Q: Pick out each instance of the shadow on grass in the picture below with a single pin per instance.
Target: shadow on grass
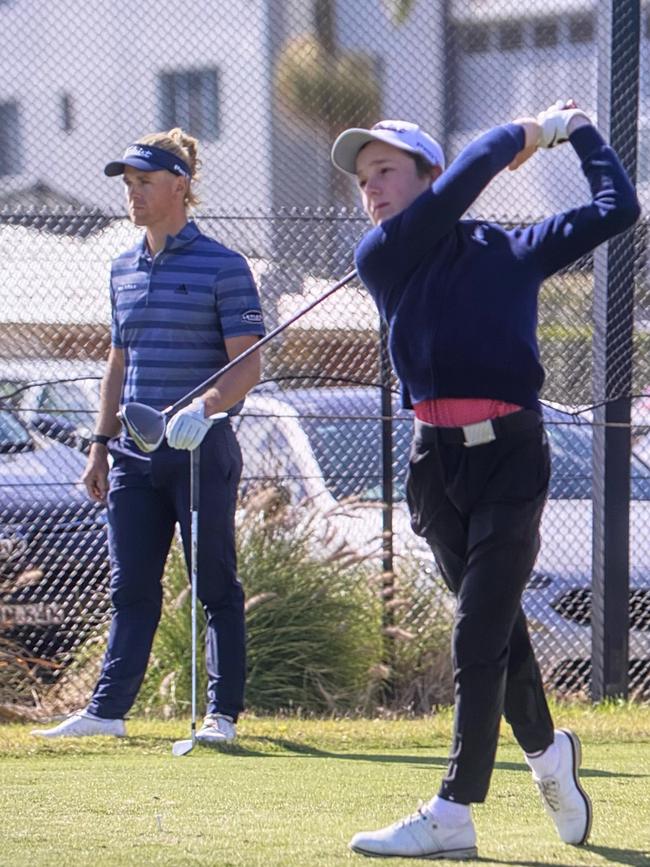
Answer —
(621, 856)
(308, 750)
(611, 854)
(281, 746)
(270, 747)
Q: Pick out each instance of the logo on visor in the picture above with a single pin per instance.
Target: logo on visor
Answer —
(138, 151)
(253, 316)
(397, 126)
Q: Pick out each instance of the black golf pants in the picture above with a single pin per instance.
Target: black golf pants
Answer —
(479, 508)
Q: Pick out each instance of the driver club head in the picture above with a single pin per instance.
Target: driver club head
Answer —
(182, 748)
(145, 425)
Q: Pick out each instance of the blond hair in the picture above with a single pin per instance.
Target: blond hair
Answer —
(182, 145)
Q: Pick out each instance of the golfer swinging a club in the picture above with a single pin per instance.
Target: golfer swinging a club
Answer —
(182, 306)
(460, 300)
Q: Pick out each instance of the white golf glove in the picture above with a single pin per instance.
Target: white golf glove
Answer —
(554, 122)
(186, 429)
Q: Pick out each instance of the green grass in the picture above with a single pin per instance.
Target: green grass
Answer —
(294, 790)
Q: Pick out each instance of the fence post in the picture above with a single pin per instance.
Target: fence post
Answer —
(618, 97)
(388, 575)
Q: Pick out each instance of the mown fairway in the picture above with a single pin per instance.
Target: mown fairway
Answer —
(293, 791)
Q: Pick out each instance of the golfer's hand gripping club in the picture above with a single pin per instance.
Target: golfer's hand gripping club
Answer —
(554, 123)
(549, 129)
(187, 428)
(147, 426)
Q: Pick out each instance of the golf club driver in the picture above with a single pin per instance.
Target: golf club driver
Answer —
(182, 748)
(146, 425)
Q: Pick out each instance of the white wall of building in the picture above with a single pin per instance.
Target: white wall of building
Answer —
(108, 55)
(108, 62)
(410, 55)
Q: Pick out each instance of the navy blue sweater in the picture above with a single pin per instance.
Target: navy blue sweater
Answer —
(460, 296)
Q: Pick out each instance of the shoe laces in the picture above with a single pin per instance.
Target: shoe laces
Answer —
(550, 792)
(419, 815)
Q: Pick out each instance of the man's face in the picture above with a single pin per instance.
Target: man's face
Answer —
(151, 197)
(388, 180)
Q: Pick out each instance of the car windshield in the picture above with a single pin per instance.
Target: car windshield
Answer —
(69, 400)
(348, 450)
(13, 436)
(571, 458)
(72, 401)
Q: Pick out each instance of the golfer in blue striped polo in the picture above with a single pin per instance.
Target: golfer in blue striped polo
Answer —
(182, 306)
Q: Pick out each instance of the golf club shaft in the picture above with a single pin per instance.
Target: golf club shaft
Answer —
(194, 569)
(189, 397)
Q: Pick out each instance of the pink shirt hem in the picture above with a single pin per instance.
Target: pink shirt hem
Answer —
(458, 411)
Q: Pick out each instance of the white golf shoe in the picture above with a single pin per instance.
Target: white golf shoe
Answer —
(82, 725)
(418, 836)
(563, 797)
(217, 729)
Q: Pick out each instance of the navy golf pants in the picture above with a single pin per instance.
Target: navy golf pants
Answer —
(147, 497)
(479, 508)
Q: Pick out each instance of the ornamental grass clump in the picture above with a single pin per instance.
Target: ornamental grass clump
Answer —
(20, 684)
(418, 623)
(313, 620)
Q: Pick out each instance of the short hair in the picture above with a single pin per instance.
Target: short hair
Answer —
(183, 145)
(422, 166)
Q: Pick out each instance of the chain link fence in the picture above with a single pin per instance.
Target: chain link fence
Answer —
(266, 86)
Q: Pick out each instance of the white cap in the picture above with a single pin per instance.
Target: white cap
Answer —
(399, 133)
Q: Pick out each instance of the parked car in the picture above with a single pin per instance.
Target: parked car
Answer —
(324, 452)
(53, 548)
(559, 595)
(58, 397)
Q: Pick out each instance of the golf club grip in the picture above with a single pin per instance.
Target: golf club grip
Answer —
(189, 397)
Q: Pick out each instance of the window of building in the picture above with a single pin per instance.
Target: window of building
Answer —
(473, 38)
(581, 28)
(510, 35)
(66, 116)
(545, 33)
(10, 149)
(190, 99)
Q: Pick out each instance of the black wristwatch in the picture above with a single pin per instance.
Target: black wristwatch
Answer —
(100, 438)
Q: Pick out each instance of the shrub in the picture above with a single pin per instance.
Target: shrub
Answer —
(313, 622)
(20, 684)
(335, 89)
(418, 642)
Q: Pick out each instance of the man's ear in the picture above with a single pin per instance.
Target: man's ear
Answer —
(436, 171)
(183, 186)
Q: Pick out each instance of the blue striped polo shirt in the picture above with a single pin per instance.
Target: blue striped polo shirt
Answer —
(172, 313)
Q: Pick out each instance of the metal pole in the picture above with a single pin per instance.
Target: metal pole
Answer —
(195, 468)
(183, 747)
(618, 97)
(388, 574)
